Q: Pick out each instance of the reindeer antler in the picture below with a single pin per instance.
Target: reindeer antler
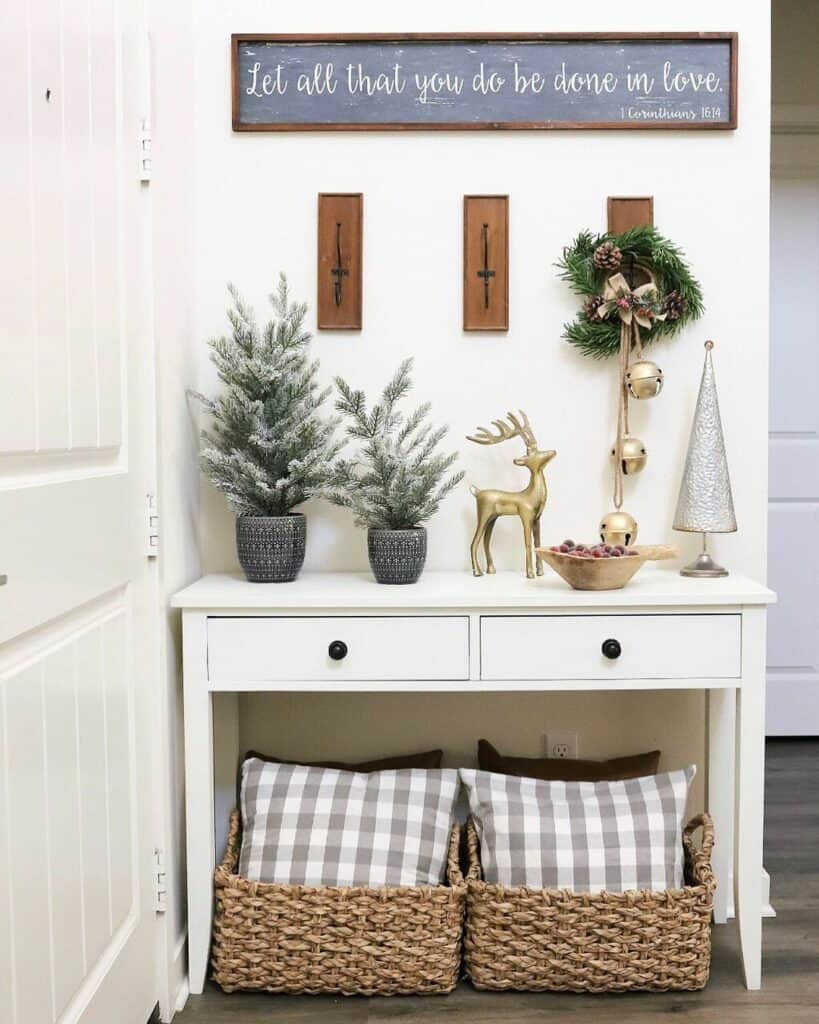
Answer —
(520, 428)
(525, 428)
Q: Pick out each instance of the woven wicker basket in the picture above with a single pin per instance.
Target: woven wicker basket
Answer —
(554, 940)
(354, 941)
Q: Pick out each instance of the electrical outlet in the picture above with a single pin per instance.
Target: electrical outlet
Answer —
(561, 744)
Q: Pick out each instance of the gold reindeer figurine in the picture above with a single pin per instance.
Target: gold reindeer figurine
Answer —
(528, 503)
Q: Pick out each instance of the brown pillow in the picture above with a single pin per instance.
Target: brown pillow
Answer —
(425, 759)
(558, 769)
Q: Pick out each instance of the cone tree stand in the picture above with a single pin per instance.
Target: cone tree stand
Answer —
(705, 503)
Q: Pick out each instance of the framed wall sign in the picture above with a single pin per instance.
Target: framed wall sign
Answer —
(685, 80)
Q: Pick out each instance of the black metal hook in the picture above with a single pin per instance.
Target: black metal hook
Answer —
(338, 271)
(486, 273)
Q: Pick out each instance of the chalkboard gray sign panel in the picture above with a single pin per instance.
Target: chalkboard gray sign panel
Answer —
(376, 82)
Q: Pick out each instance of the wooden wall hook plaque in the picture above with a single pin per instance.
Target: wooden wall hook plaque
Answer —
(340, 236)
(627, 212)
(486, 263)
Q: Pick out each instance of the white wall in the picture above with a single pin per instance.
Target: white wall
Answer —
(256, 210)
(256, 198)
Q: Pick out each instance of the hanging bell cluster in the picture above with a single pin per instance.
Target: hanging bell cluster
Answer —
(640, 379)
(643, 379)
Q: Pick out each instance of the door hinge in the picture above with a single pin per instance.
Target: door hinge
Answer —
(152, 524)
(160, 889)
(145, 155)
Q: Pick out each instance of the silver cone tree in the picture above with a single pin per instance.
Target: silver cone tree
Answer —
(705, 503)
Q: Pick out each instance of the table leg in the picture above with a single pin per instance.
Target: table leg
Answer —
(721, 717)
(750, 790)
(198, 797)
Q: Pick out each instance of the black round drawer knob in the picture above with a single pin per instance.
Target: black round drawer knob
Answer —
(337, 650)
(612, 649)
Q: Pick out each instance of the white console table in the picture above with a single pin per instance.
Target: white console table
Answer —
(504, 633)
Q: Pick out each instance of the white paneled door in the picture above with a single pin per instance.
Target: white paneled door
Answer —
(77, 660)
(793, 570)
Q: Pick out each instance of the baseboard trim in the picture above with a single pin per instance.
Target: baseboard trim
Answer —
(178, 978)
(182, 996)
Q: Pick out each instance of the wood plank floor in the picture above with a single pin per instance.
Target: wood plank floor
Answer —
(790, 993)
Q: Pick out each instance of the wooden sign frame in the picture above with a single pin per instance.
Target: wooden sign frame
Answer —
(339, 278)
(486, 263)
(237, 39)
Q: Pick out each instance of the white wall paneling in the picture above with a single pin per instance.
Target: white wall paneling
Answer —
(8, 963)
(62, 814)
(63, 333)
(105, 182)
(48, 202)
(67, 783)
(76, 435)
(18, 352)
(28, 848)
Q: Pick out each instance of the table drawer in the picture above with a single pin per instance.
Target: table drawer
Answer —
(377, 647)
(651, 646)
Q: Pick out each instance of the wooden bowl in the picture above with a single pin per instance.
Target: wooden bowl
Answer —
(604, 573)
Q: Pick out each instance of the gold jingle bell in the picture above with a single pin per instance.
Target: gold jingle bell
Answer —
(644, 379)
(633, 455)
(618, 528)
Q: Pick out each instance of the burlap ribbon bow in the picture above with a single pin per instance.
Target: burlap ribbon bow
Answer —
(618, 298)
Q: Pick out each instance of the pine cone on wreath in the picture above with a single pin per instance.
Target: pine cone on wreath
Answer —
(607, 256)
(674, 305)
(591, 306)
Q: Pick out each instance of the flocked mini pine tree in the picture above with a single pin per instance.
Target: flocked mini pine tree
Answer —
(268, 448)
(397, 480)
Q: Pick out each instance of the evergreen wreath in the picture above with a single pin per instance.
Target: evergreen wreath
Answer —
(589, 262)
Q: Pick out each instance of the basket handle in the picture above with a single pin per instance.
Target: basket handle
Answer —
(230, 860)
(706, 823)
(700, 859)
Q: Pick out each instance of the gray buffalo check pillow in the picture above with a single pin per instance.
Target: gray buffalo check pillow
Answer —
(321, 826)
(583, 836)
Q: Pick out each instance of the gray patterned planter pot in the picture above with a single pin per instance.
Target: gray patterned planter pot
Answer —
(397, 556)
(271, 548)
